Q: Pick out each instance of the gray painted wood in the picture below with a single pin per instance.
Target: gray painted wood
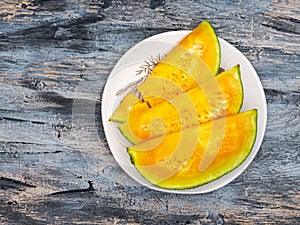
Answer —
(57, 54)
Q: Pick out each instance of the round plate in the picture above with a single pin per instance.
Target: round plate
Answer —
(124, 74)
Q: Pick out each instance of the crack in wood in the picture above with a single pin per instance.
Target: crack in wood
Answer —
(156, 3)
(282, 24)
(276, 96)
(89, 189)
(49, 5)
(27, 143)
(254, 203)
(104, 4)
(34, 84)
(30, 153)
(65, 104)
(9, 183)
(22, 120)
(47, 30)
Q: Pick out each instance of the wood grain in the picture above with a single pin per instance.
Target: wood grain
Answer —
(55, 164)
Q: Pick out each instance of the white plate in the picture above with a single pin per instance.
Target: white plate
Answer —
(124, 73)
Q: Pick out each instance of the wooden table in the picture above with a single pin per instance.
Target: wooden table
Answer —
(57, 53)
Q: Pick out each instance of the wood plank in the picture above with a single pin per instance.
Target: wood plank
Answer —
(55, 164)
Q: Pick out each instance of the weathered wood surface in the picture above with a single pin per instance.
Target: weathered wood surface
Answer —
(55, 57)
